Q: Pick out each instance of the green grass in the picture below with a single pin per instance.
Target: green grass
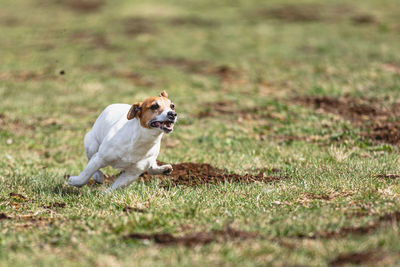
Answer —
(44, 116)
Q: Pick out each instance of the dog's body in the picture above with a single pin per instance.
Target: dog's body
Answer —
(127, 138)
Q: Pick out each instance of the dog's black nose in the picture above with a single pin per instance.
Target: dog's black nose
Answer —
(171, 115)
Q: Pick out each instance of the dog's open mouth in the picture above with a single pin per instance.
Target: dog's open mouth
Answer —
(166, 126)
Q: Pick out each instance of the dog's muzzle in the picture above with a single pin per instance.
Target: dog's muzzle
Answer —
(166, 126)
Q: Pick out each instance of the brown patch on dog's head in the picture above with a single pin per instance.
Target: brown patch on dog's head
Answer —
(150, 108)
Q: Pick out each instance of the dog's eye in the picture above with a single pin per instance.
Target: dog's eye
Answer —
(172, 106)
(155, 106)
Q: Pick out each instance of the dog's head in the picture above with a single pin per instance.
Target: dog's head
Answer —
(155, 113)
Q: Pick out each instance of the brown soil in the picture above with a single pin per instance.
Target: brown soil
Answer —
(193, 174)
(136, 25)
(304, 13)
(377, 122)
(364, 19)
(196, 238)
(357, 258)
(83, 6)
(355, 230)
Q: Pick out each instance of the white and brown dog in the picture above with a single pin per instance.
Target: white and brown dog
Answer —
(128, 138)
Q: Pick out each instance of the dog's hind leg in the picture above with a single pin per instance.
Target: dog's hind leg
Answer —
(95, 163)
(125, 179)
(91, 148)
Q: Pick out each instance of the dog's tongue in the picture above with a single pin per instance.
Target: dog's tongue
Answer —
(159, 123)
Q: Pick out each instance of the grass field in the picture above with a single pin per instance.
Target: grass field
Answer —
(295, 103)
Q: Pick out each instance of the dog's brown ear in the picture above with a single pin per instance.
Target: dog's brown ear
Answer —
(135, 110)
(164, 94)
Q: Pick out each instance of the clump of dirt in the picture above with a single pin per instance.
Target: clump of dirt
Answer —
(379, 123)
(194, 174)
(83, 6)
(357, 258)
(137, 25)
(196, 238)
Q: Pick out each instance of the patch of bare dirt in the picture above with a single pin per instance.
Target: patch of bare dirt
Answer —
(304, 13)
(83, 6)
(92, 40)
(357, 258)
(137, 25)
(196, 238)
(378, 122)
(355, 230)
(193, 174)
(364, 19)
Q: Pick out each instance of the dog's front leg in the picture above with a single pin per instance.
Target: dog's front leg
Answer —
(164, 169)
(125, 179)
(94, 164)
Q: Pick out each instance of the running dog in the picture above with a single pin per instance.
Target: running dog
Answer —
(128, 138)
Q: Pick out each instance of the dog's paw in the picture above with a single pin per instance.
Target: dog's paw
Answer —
(167, 169)
(75, 181)
(98, 177)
